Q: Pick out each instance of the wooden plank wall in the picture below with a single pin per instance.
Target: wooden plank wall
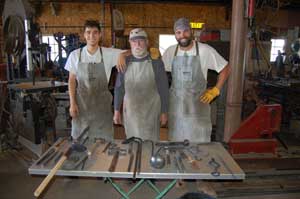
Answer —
(1, 43)
(282, 19)
(155, 18)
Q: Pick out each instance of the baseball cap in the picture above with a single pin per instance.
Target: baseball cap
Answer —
(137, 33)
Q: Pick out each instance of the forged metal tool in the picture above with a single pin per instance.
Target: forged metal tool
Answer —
(80, 161)
(138, 156)
(114, 162)
(168, 156)
(180, 163)
(226, 166)
(50, 157)
(164, 143)
(58, 157)
(106, 147)
(56, 147)
(157, 161)
(51, 153)
(84, 131)
(183, 155)
(176, 161)
(191, 160)
(131, 156)
(113, 149)
(97, 142)
(213, 163)
(66, 154)
(46, 156)
(197, 152)
(53, 171)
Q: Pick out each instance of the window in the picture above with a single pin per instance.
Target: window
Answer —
(277, 44)
(166, 41)
(49, 39)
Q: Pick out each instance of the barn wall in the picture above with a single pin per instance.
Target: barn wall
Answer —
(155, 18)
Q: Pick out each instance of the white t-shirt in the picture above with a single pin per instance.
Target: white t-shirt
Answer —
(110, 58)
(209, 57)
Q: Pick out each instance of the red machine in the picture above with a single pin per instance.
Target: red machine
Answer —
(255, 135)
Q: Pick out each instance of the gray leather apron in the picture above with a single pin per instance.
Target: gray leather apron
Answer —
(189, 118)
(141, 101)
(94, 101)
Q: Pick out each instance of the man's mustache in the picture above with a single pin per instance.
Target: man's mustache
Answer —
(138, 48)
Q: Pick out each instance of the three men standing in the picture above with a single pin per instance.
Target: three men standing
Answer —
(144, 87)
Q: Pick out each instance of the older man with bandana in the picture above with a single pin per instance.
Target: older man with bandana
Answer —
(143, 88)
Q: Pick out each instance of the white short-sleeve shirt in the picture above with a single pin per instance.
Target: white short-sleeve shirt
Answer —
(209, 57)
(110, 58)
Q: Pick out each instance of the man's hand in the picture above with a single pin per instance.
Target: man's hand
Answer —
(74, 111)
(163, 119)
(154, 53)
(121, 64)
(209, 95)
(117, 117)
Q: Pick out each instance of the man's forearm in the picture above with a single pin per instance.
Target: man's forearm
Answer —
(223, 76)
(72, 88)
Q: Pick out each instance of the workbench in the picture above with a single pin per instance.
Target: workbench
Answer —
(34, 110)
(98, 163)
(285, 92)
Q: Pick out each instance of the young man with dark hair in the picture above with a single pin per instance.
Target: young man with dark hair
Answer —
(89, 72)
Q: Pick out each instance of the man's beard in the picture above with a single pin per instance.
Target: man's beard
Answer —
(139, 52)
(184, 42)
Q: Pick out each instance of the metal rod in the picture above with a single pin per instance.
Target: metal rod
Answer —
(114, 162)
(130, 157)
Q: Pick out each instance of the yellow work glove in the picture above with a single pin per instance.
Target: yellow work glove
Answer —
(154, 53)
(209, 95)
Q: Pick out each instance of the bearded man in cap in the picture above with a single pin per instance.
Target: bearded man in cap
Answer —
(143, 89)
(188, 62)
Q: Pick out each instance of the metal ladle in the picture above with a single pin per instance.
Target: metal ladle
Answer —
(157, 161)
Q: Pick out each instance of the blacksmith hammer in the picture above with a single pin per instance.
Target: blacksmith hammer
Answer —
(66, 154)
